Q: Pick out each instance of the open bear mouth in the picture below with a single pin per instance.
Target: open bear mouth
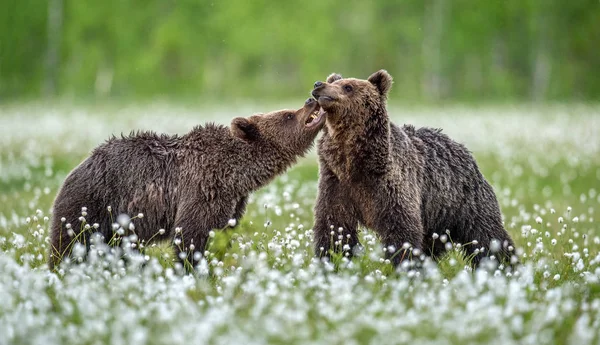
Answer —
(315, 118)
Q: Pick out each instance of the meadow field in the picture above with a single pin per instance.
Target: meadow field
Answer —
(260, 283)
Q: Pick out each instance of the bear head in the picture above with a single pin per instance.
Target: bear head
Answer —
(342, 99)
(292, 131)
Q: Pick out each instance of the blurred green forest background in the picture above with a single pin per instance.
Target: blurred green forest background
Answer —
(437, 50)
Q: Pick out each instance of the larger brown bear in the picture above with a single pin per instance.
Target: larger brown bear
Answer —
(404, 183)
(185, 185)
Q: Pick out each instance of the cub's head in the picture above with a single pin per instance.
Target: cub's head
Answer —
(292, 131)
(353, 99)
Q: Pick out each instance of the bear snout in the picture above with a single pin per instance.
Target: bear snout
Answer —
(310, 101)
(317, 84)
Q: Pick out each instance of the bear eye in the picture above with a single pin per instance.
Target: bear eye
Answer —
(348, 88)
(290, 116)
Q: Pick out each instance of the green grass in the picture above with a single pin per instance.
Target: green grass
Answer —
(260, 282)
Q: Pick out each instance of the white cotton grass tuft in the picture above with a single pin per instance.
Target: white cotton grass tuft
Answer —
(123, 220)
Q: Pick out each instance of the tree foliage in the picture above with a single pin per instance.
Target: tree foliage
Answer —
(436, 49)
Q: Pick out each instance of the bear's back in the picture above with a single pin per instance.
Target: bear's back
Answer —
(450, 176)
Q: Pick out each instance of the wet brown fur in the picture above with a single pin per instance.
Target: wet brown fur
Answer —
(404, 183)
(196, 182)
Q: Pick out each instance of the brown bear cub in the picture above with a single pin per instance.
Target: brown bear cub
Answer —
(186, 185)
(404, 183)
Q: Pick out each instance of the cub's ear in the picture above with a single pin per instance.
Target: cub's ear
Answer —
(243, 128)
(333, 77)
(382, 80)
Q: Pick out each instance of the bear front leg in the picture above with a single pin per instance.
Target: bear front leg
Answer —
(336, 224)
(401, 233)
(189, 241)
(193, 222)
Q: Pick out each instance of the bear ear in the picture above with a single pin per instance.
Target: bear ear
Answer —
(382, 80)
(243, 128)
(333, 77)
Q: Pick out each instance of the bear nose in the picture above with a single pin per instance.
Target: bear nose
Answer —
(309, 101)
(318, 83)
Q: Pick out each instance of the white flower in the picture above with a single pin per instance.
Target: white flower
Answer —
(560, 219)
(575, 219)
(63, 219)
(123, 220)
(232, 222)
(435, 236)
(109, 209)
(538, 220)
(140, 215)
(161, 231)
(211, 234)
(494, 246)
(557, 277)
